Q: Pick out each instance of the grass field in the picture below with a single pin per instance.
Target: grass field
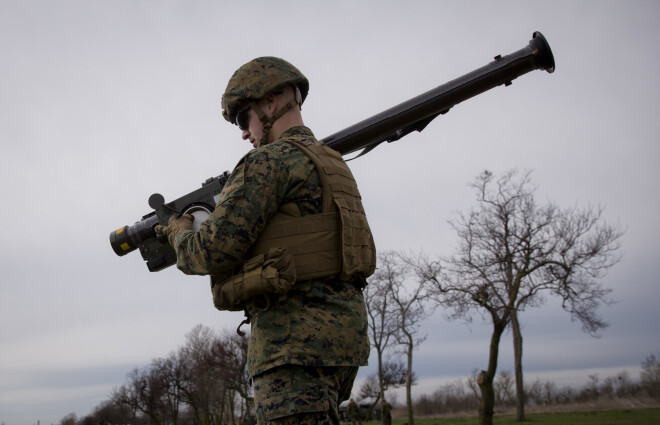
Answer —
(598, 417)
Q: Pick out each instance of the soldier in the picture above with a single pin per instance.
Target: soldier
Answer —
(289, 244)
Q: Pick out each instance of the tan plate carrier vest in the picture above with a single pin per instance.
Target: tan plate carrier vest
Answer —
(335, 243)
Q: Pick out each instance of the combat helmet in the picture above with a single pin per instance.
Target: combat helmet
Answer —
(256, 79)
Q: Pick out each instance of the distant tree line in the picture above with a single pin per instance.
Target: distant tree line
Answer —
(204, 382)
(460, 396)
(463, 396)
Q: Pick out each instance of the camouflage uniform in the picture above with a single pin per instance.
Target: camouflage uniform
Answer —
(297, 395)
(318, 328)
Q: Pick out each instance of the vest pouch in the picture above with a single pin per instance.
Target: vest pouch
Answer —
(271, 273)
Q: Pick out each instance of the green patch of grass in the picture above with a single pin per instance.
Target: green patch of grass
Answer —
(598, 417)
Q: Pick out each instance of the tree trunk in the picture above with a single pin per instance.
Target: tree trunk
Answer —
(381, 391)
(517, 355)
(411, 419)
(486, 377)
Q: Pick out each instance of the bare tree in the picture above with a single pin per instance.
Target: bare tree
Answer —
(511, 252)
(199, 388)
(394, 375)
(503, 386)
(147, 392)
(228, 356)
(169, 375)
(472, 384)
(650, 375)
(391, 375)
(110, 412)
(69, 419)
(382, 323)
(411, 303)
(206, 378)
(215, 373)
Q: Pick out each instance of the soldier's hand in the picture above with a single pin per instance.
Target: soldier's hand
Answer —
(174, 226)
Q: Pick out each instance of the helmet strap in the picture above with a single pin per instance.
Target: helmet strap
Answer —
(268, 122)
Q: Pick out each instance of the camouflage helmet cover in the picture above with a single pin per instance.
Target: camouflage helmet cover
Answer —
(256, 79)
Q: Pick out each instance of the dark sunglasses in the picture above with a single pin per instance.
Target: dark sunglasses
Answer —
(242, 118)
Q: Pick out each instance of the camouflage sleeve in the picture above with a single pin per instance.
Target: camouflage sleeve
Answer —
(252, 195)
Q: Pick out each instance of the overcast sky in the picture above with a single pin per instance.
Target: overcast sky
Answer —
(103, 103)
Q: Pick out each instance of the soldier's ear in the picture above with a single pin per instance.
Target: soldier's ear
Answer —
(270, 102)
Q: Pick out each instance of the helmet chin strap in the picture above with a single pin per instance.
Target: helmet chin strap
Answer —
(268, 122)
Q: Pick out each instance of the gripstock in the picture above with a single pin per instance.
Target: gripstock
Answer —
(155, 249)
(388, 126)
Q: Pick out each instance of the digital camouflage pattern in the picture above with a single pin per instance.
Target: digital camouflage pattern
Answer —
(256, 79)
(297, 395)
(264, 179)
(317, 323)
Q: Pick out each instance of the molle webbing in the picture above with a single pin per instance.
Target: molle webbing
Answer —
(336, 242)
(313, 240)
